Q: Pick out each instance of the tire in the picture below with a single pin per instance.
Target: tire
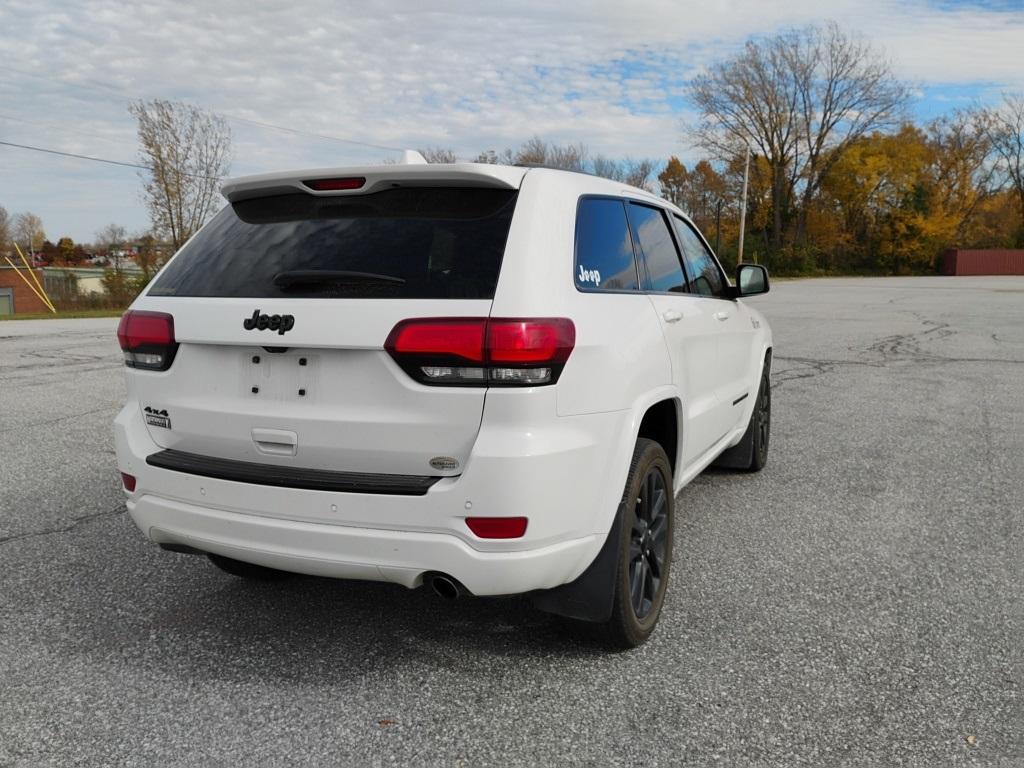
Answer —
(645, 551)
(761, 423)
(247, 570)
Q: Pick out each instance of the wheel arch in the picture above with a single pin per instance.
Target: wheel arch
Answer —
(660, 423)
(588, 597)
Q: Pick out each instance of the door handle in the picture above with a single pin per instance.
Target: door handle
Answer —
(672, 316)
(722, 315)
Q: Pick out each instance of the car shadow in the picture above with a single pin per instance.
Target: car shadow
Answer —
(199, 623)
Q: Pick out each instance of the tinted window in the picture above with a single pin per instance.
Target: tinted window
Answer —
(664, 270)
(604, 251)
(430, 243)
(705, 275)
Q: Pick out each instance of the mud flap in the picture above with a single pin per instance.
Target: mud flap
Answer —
(590, 596)
(741, 455)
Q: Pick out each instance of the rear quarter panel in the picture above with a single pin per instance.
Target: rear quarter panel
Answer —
(620, 352)
(619, 365)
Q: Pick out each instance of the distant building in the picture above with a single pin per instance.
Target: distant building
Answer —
(993, 261)
(16, 298)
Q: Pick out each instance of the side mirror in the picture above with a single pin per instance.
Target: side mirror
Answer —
(751, 279)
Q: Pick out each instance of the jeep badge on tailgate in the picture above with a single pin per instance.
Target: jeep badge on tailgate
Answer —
(280, 323)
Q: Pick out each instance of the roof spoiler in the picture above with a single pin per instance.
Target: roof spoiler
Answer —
(412, 157)
(413, 171)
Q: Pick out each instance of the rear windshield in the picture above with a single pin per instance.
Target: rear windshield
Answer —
(415, 243)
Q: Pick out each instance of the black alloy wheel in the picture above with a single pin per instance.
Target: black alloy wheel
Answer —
(648, 544)
(761, 421)
(645, 547)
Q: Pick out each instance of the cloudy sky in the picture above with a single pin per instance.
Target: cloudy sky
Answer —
(464, 75)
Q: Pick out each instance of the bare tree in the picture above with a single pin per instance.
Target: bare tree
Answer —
(636, 173)
(188, 153)
(1005, 129)
(571, 157)
(5, 231)
(28, 231)
(110, 242)
(536, 151)
(797, 99)
(533, 152)
(490, 157)
(438, 154)
(607, 168)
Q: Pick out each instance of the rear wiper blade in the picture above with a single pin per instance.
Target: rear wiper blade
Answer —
(315, 276)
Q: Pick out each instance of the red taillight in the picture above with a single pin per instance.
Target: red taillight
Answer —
(456, 337)
(147, 339)
(129, 482)
(497, 527)
(332, 185)
(482, 351)
(530, 341)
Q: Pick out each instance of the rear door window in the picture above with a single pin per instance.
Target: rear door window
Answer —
(706, 277)
(604, 248)
(422, 243)
(660, 257)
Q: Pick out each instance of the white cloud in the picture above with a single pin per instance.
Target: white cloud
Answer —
(470, 75)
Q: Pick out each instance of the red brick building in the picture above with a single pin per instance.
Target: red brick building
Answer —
(15, 296)
(994, 261)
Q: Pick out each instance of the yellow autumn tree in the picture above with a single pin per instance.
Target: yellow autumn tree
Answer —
(889, 203)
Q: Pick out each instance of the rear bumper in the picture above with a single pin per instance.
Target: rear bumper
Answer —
(559, 472)
(359, 553)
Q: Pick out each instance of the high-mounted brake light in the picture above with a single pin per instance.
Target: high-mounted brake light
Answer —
(482, 351)
(147, 339)
(332, 185)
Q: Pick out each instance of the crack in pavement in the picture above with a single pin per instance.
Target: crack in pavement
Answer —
(806, 368)
(909, 344)
(65, 417)
(30, 372)
(65, 529)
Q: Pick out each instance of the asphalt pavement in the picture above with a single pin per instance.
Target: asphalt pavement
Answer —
(860, 602)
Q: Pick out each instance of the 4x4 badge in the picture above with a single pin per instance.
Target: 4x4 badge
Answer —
(280, 323)
(157, 418)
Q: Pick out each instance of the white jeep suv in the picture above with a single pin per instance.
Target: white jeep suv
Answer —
(489, 379)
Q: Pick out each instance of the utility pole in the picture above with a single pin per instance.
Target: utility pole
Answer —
(743, 205)
(718, 229)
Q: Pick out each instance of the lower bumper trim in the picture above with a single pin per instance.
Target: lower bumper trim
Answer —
(290, 477)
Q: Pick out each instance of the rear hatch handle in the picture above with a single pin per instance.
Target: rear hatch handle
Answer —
(275, 442)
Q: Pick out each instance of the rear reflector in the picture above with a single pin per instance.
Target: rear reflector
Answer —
(129, 482)
(147, 339)
(332, 185)
(480, 351)
(497, 527)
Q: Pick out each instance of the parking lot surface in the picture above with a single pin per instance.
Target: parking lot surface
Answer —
(860, 602)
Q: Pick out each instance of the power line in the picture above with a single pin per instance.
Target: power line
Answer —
(95, 159)
(63, 129)
(98, 85)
